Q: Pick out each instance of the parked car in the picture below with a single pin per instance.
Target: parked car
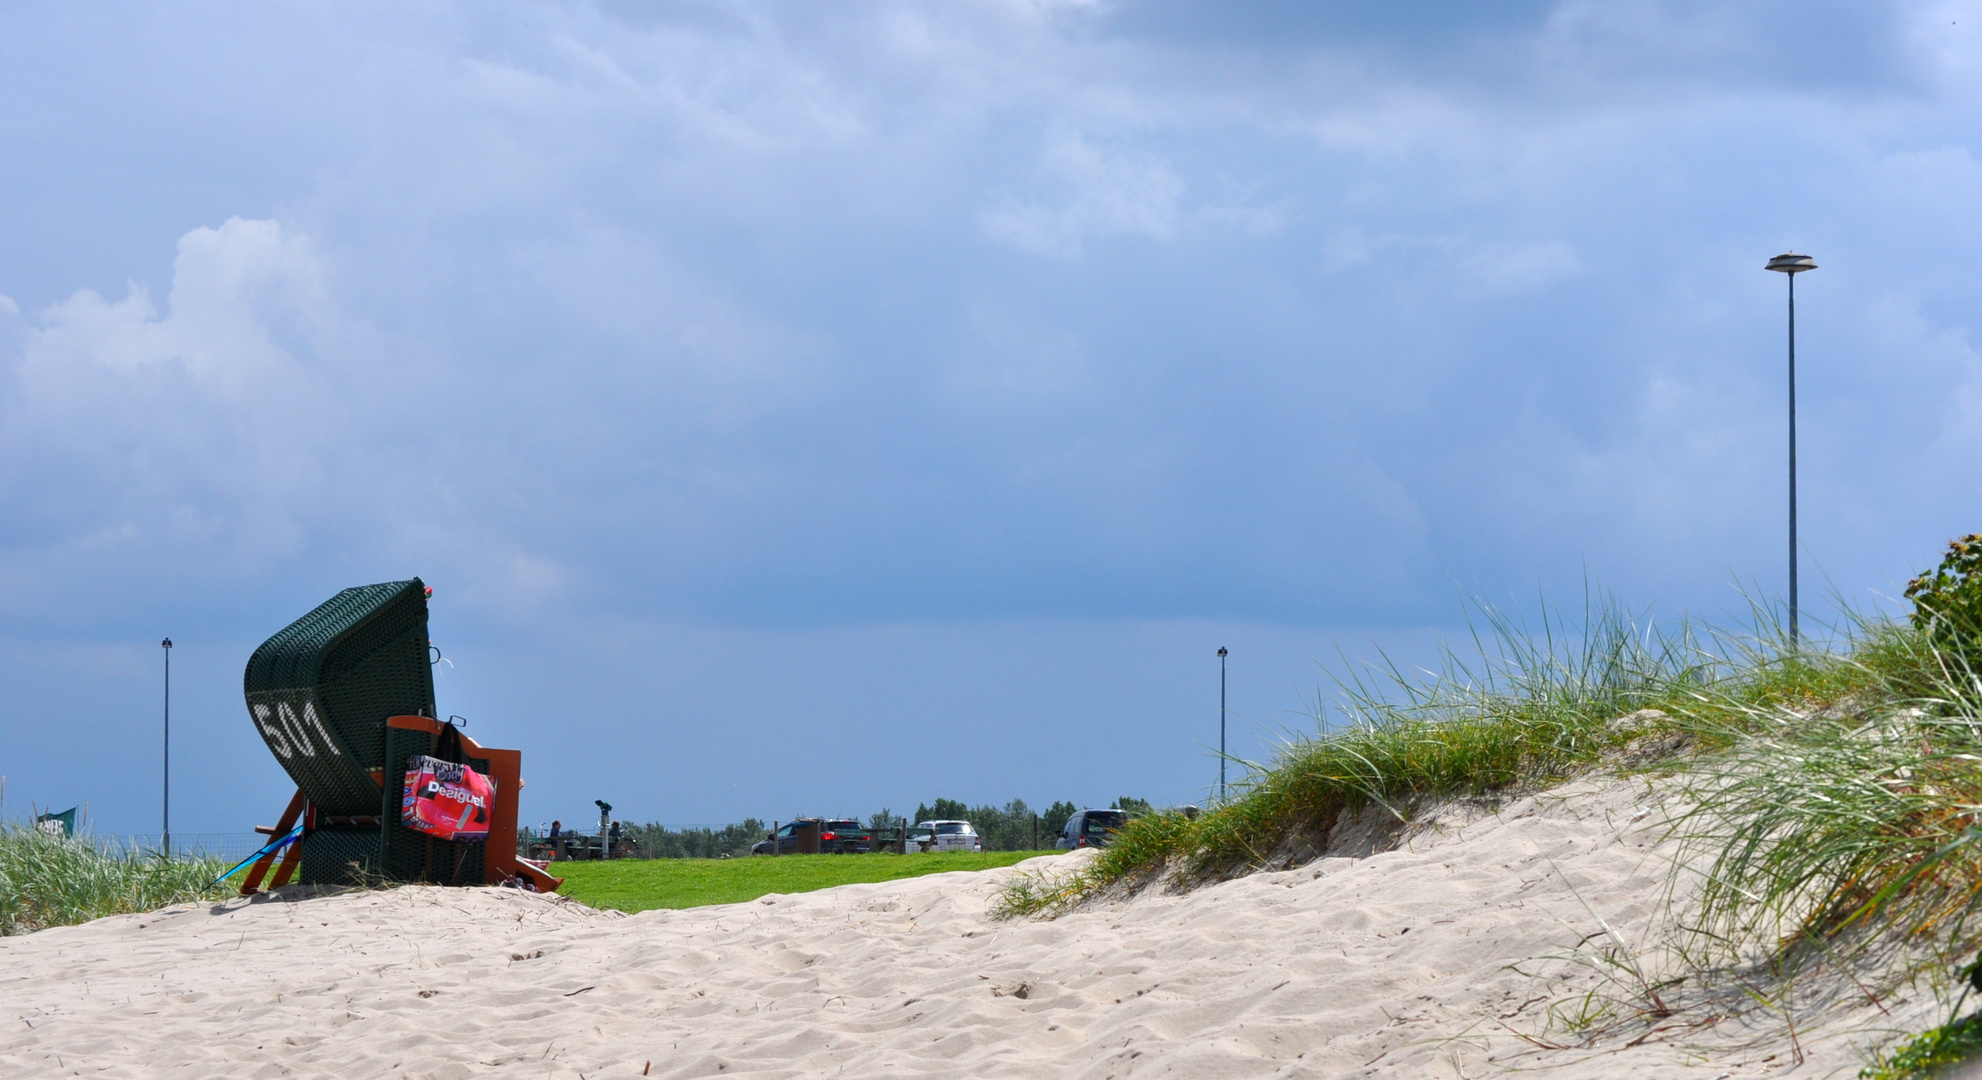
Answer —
(836, 836)
(1091, 828)
(845, 836)
(946, 836)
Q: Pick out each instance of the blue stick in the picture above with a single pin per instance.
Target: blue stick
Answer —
(287, 838)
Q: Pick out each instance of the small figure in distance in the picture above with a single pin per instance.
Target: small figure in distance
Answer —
(556, 838)
(612, 841)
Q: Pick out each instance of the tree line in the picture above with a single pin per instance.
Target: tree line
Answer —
(1010, 827)
(657, 841)
(1004, 828)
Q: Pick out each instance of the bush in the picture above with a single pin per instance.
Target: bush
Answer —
(1931, 1053)
(1947, 600)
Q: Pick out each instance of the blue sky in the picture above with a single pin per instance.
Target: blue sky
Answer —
(808, 409)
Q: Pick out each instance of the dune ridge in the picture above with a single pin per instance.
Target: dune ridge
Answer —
(1465, 951)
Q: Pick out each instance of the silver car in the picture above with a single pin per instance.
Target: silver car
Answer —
(946, 836)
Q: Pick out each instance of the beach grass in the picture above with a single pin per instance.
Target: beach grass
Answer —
(1534, 707)
(1830, 794)
(53, 881)
(644, 884)
(1861, 808)
(1524, 708)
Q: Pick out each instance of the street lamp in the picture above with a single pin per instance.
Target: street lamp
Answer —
(167, 844)
(1791, 264)
(1221, 725)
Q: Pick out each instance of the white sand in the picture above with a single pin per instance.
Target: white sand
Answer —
(1398, 965)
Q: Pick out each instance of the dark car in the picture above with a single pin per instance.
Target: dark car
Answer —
(846, 836)
(1091, 828)
(836, 836)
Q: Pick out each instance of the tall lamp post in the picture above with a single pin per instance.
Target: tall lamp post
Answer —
(167, 844)
(1221, 725)
(1791, 264)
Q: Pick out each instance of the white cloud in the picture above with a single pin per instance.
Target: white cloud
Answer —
(237, 293)
(214, 425)
(720, 274)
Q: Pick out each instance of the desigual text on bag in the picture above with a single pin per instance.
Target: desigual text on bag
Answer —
(446, 799)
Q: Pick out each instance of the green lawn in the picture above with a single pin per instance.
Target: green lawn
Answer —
(641, 884)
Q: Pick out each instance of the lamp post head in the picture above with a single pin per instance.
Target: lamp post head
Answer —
(166, 644)
(1790, 262)
(1221, 652)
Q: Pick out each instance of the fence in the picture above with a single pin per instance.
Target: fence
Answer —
(230, 847)
(649, 841)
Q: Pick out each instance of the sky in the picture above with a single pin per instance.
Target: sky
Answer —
(813, 408)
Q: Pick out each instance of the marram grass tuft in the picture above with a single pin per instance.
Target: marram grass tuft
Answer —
(1540, 707)
(53, 881)
(1536, 708)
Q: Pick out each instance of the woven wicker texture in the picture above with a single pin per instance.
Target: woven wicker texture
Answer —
(320, 689)
(407, 855)
(329, 856)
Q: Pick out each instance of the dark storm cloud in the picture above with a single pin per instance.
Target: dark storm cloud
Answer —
(820, 329)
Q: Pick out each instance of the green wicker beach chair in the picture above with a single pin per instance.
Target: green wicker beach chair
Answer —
(342, 696)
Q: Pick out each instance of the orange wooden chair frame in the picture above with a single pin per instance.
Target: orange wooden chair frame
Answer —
(499, 860)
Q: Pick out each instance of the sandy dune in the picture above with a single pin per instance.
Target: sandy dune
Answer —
(1431, 960)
